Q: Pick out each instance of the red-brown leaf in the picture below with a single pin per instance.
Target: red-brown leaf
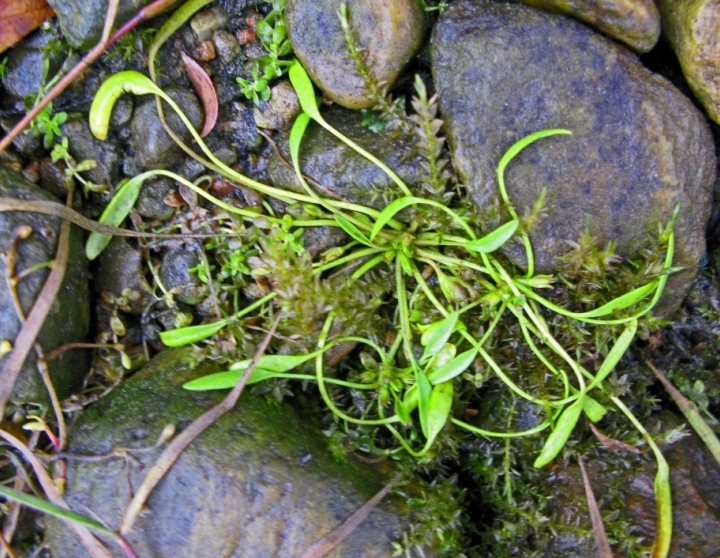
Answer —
(19, 17)
(205, 89)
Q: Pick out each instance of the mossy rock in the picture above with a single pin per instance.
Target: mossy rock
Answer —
(259, 482)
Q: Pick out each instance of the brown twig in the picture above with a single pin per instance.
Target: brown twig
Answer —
(148, 12)
(93, 545)
(59, 210)
(604, 550)
(6, 547)
(330, 541)
(170, 455)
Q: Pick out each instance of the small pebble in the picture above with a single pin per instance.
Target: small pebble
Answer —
(204, 51)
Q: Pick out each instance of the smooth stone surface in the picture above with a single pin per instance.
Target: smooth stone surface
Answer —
(82, 22)
(633, 22)
(638, 148)
(341, 173)
(69, 317)
(279, 112)
(120, 269)
(258, 483)
(693, 29)
(176, 276)
(153, 147)
(390, 33)
(83, 145)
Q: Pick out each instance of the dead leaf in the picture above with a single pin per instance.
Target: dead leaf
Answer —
(612, 443)
(205, 89)
(20, 17)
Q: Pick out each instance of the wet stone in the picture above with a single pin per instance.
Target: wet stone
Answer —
(120, 269)
(176, 276)
(341, 173)
(83, 145)
(69, 317)
(633, 22)
(259, 482)
(639, 147)
(279, 112)
(153, 147)
(390, 34)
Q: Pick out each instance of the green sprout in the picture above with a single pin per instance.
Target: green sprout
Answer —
(273, 36)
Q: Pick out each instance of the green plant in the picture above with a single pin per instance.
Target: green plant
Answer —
(419, 368)
(73, 168)
(3, 67)
(273, 36)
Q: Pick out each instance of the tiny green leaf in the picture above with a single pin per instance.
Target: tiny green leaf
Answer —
(304, 90)
(424, 390)
(454, 368)
(435, 336)
(226, 379)
(192, 334)
(593, 410)
(615, 354)
(119, 207)
(108, 94)
(495, 239)
(440, 405)
(353, 231)
(560, 434)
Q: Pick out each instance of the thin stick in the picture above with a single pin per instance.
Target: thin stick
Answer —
(6, 547)
(171, 454)
(330, 541)
(604, 550)
(105, 41)
(93, 545)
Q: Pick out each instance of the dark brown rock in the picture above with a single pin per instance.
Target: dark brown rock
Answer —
(638, 148)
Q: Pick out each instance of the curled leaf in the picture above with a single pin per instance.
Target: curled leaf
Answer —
(108, 94)
(206, 91)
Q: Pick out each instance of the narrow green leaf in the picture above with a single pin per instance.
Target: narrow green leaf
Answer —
(663, 503)
(401, 409)
(628, 299)
(296, 136)
(406, 201)
(441, 358)
(352, 230)
(593, 410)
(278, 363)
(495, 239)
(615, 354)
(440, 405)
(46, 507)
(304, 90)
(560, 434)
(192, 334)
(227, 379)
(115, 213)
(110, 91)
(435, 336)
(454, 368)
(424, 391)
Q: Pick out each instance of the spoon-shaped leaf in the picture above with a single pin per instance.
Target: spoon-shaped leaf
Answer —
(440, 405)
(278, 363)
(424, 391)
(304, 90)
(593, 410)
(628, 299)
(454, 368)
(435, 336)
(192, 334)
(560, 434)
(108, 94)
(492, 241)
(119, 207)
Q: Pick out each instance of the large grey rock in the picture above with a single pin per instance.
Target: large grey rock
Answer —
(638, 148)
(258, 483)
(69, 317)
(633, 22)
(82, 22)
(389, 33)
(341, 173)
